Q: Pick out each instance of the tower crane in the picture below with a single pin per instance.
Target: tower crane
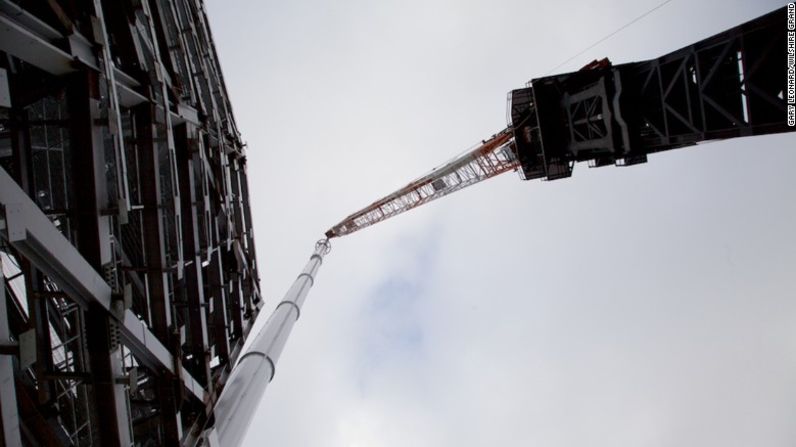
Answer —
(732, 84)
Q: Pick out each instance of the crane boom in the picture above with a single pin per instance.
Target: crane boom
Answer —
(729, 85)
(490, 158)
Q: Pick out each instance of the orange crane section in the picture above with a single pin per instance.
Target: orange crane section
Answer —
(492, 157)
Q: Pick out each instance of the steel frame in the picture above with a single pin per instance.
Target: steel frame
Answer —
(124, 205)
(9, 416)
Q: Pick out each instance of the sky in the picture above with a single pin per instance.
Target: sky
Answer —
(651, 305)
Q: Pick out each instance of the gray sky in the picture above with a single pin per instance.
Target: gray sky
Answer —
(652, 305)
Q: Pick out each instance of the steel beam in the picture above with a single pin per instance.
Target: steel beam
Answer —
(24, 44)
(30, 231)
(9, 413)
(186, 146)
(113, 415)
(220, 299)
(152, 214)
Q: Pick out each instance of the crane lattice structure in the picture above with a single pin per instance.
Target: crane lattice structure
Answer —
(492, 157)
(732, 84)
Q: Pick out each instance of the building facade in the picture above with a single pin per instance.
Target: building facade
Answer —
(129, 272)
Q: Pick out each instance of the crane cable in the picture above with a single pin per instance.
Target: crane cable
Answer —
(660, 5)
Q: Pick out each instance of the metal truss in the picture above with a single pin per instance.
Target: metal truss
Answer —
(492, 157)
(129, 271)
(728, 85)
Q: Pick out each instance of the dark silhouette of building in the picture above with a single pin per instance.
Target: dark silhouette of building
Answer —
(129, 271)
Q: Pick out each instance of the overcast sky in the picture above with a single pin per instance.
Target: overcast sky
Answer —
(643, 306)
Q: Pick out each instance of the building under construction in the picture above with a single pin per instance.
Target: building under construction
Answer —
(129, 271)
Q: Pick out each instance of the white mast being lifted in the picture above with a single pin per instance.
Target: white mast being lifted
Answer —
(234, 410)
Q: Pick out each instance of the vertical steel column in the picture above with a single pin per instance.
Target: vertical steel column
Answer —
(9, 414)
(160, 305)
(247, 382)
(218, 296)
(152, 216)
(186, 145)
(37, 320)
(114, 118)
(95, 246)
